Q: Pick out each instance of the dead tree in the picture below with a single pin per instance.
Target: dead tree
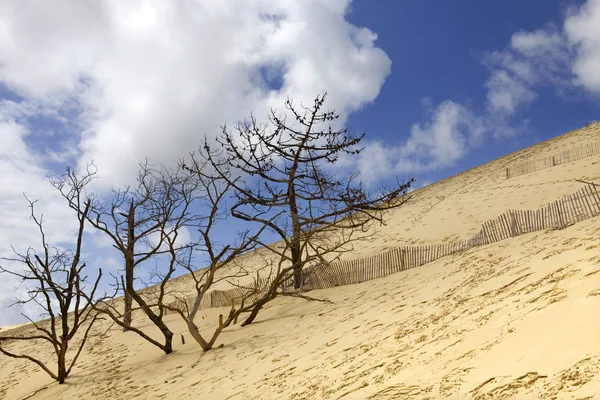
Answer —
(288, 186)
(55, 282)
(220, 259)
(144, 222)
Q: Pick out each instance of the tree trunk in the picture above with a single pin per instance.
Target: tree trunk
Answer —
(62, 361)
(297, 263)
(193, 329)
(129, 265)
(127, 311)
(168, 347)
(257, 307)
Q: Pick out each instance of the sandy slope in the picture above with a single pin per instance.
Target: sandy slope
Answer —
(516, 319)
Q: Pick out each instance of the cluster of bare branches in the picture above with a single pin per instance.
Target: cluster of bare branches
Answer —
(55, 282)
(144, 222)
(289, 189)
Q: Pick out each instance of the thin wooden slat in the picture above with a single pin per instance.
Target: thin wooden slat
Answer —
(496, 230)
(403, 261)
(485, 234)
(488, 235)
(508, 230)
(563, 213)
(532, 220)
(365, 266)
(589, 211)
(589, 195)
(559, 218)
(522, 227)
(511, 224)
(341, 273)
(543, 218)
(595, 195)
(571, 212)
(578, 205)
(502, 226)
(418, 256)
(371, 268)
(490, 230)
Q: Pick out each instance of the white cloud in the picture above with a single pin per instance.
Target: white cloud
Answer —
(155, 76)
(506, 93)
(533, 59)
(582, 28)
(565, 59)
(440, 142)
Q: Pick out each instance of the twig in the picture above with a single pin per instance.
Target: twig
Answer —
(587, 183)
(34, 393)
(306, 297)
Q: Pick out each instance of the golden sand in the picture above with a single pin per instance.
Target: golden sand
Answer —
(518, 319)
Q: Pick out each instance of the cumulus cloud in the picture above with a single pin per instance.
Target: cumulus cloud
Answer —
(154, 76)
(582, 29)
(563, 58)
(533, 59)
(445, 138)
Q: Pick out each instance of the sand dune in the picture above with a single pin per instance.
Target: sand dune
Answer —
(517, 319)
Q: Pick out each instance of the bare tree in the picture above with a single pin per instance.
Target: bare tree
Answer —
(144, 222)
(290, 188)
(55, 282)
(220, 258)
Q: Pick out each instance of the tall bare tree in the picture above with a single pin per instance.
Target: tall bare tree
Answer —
(55, 282)
(289, 188)
(144, 222)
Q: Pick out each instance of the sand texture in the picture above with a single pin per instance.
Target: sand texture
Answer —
(517, 319)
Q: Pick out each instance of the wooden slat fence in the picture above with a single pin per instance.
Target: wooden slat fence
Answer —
(566, 156)
(573, 208)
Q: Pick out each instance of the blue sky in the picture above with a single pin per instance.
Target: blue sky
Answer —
(442, 59)
(439, 87)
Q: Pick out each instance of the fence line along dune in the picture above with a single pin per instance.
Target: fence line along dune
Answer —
(573, 208)
(563, 157)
